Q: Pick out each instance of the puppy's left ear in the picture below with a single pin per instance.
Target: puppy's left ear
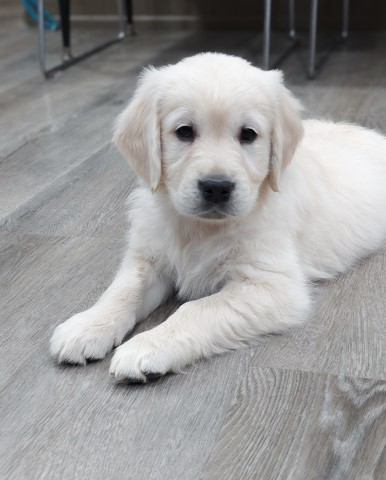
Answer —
(137, 130)
(287, 129)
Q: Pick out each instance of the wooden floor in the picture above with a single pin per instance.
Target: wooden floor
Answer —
(307, 405)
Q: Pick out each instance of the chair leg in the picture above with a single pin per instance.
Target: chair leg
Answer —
(121, 4)
(64, 12)
(346, 12)
(267, 34)
(68, 61)
(42, 38)
(129, 16)
(129, 12)
(292, 30)
(313, 33)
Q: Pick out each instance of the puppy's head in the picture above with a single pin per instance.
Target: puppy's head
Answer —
(210, 129)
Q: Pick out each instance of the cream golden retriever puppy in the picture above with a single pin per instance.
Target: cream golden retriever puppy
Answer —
(242, 205)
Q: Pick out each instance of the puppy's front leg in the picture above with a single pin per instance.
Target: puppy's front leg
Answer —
(226, 320)
(135, 292)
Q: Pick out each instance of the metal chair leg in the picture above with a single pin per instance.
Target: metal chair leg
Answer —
(129, 16)
(346, 12)
(121, 13)
(64, 12)
(267, 64)
(42, 38)
(267, 33)
(292, 30)
(66, 41)
(313, 33)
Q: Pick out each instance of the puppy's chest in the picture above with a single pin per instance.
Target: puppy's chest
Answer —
(200, 267)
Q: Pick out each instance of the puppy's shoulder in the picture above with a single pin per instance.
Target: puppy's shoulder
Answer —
(140, 199)
(149, 223)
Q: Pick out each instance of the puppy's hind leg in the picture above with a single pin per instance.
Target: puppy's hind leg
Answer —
(134, 293)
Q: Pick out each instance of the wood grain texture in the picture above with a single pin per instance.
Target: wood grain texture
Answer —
(88, 200)
(294, 425)
(41, 160)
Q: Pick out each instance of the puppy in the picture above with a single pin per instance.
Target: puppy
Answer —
(242, 205)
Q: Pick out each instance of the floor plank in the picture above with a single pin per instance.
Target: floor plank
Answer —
(286, 425)
(51, 155)
(87, 200)
(79, 425)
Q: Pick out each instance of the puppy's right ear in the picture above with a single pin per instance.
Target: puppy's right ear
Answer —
(137, 130)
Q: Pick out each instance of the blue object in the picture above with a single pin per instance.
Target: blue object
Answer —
(50, 23)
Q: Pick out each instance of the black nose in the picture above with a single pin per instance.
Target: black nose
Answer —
(216, 188)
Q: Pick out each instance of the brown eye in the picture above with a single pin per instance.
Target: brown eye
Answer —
(185, 133)
(247, 135)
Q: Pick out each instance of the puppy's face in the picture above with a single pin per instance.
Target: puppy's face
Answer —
(211, 128)
(215, 147)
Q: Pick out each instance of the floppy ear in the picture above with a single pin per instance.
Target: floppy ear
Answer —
(287, 130)
(137, 130)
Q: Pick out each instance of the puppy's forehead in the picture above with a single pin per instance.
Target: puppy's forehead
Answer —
(217, 85)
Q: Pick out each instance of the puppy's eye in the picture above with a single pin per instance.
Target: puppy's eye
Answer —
(247, 135)
(185, 133)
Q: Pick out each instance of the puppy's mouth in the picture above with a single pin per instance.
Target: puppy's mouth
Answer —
(213, 215)
(215, 212)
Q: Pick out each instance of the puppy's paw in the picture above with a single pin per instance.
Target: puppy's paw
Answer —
(144, 357)
(89, 335)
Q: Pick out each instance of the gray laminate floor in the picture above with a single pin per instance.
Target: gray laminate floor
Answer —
(310, 404)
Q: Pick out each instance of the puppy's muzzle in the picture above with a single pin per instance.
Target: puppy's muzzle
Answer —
(216, 189)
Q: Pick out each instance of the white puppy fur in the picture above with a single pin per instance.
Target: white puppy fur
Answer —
(307, 200)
